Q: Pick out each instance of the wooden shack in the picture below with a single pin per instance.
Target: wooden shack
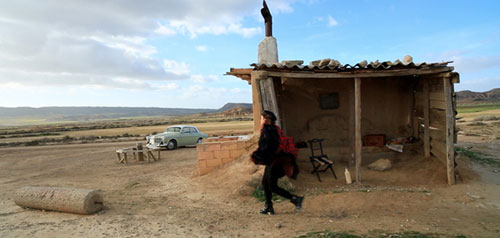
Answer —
(343, 103)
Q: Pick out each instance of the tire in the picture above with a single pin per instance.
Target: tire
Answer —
(199, 140)
(172, 145)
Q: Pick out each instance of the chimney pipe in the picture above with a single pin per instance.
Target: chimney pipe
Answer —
(268, 48)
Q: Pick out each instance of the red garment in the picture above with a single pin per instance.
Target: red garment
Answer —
(286, 144)
(285, 154)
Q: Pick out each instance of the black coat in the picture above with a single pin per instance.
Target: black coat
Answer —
(268, 145)
(268, 153)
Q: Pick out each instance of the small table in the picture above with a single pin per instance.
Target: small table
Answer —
(147, 152)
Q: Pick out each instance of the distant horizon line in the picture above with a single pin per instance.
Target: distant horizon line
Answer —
(123, 106)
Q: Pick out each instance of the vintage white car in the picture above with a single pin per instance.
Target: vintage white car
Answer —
(176, 136)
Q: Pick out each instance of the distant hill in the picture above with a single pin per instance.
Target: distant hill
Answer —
(236, 111)
(8, 115)
(229, 106)
(467, 96)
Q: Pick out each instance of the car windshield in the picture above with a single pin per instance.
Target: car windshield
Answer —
(173, 129)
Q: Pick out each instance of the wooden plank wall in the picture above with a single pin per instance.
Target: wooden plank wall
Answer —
(437, 115)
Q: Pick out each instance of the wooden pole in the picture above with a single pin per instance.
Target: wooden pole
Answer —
(352, 123)
(269, 100)
(427, 145)
(256, 101)
(413, 121)
(450, 130)
(357, 129)
(279, 97)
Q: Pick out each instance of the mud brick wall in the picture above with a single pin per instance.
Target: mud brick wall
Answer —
(217, 153)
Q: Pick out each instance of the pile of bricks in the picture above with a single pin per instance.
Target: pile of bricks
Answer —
(214, 154)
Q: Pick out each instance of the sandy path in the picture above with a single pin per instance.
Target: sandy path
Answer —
(168, 199)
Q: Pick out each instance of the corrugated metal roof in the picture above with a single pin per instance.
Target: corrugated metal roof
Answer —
(334, 65)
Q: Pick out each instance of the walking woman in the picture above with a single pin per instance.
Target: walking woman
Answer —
(278, 164)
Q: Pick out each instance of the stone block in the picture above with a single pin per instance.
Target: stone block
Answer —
(227, 160)
(221, 154)
(229, 146)
(236, 153)
(205, 155)
(380, 165)
(240, 145)
(202, 164)
(407, 59)
(212, 147)
(214, 163)
(291, 63)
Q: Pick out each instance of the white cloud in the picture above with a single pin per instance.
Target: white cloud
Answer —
(331, 21)
(235, 90)
(176, 68)
(130, 45)
(168, 87)
(475, 64)
(202, 79)
(213, 77)
(166, 31)
(93, 43)
(193, 90)
(280, 6)
(195, 28)
(198, 78)
(204, 92)
(201, 48)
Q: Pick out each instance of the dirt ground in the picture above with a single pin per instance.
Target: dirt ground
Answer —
(169, 199)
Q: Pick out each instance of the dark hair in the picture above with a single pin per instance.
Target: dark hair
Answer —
(269, 115)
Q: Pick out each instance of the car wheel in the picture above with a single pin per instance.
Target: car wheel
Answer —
(199, 141)
(172, 145)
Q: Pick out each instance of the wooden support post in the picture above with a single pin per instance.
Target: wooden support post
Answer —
(454, 98)
(427, 144)
(412, 118)
(256, 100)
(279, 99)
(268, 95)
(352, 132)
(357, 129)
(450, 130)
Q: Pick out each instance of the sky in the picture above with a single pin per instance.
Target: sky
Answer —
(165, 53)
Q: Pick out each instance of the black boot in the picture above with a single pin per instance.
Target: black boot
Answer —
(268, 210)
(297, 201)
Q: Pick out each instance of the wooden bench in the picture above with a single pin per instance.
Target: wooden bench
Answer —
(144, 152)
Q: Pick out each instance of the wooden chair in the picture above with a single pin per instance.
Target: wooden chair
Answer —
(319, 160)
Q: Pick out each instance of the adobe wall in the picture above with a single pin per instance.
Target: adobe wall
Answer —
(385, 110)
(215, 153)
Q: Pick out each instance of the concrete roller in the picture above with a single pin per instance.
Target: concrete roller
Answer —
(63, 199)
